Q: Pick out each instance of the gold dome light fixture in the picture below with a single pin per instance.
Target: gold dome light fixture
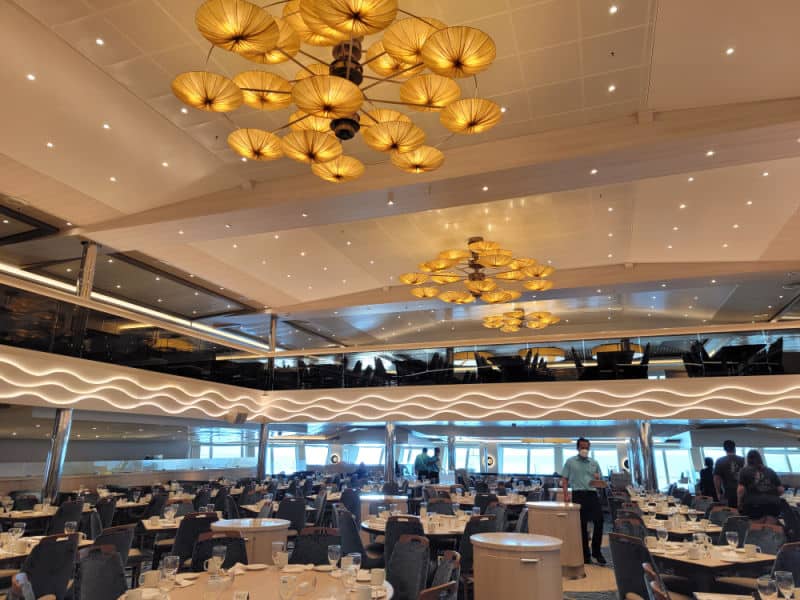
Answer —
(514, 320)
(477, 272)
(335, 99)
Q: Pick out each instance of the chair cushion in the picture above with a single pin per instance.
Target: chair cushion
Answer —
(165, 543)
(744, 582)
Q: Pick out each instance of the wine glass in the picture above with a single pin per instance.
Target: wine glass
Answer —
(662, 534)
(166, 583)
(334, 554)
(287, 587)
(171, 563)
(218, 554)
(767, 589)
(20, 527)
(732, 538)
(136, 495)
(785, 582)
(70, 527)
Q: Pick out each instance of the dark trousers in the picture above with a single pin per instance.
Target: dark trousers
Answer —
(591, 512)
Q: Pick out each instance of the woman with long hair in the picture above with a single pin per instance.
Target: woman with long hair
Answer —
(759, 490)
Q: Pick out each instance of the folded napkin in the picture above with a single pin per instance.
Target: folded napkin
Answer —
(237, 569)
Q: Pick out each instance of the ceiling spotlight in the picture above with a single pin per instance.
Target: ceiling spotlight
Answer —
(118, 286)
(610, 256)
(31, 77)
(663, 285)
(5, 221)
(749, 203)
(503, 109)
(390, 202)
(227, 225)
(276, 236)
(50, 144)
(675, 228)
(593, 172)
(165, 164)
(349, 243)
(610, 209)
(736, 226)
(180, 231)
(682, 206)
(112, 179)
(110, 260)
(725, 245)
(100, 42)
(69, 224)
(710, 153)
(713, 281)
(599, 291)
(730, 51)
(244, 159)
(612, 88)
(304, 214)
(610, 234)
(485, 188)
(106, 126)
(159, 300)
(185, 110)
(765, 174)
(613, 9)
(302, 253)
(235, 245)
(690, 180)
(69, 270)
(669, 247)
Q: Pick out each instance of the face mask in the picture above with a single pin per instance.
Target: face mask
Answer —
(583, 453)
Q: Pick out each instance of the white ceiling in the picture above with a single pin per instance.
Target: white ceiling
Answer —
(556, 60)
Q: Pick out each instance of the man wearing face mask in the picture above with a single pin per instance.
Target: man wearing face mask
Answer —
(580, 473)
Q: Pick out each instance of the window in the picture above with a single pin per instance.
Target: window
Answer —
(227, 451)
(284, 459)
(542, 461)
(205, 451)
(679, 463)
(468, 457)
(794, 461)
(607, 458)
(316, 455)
(513, 459)
(776, 461)
(370, 455)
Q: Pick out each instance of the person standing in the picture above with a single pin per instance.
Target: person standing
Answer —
(726, 474)
(760, 489)
(707, 480)
(435, 465)
(421, 464)
(578, 473)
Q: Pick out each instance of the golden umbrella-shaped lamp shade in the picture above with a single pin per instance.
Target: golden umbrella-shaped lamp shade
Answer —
(439, 264)
(413, 278)
(498, 259)
(484, 247)
(308, 11)
(255, 144)
(455, 297)
(446, 277)
(455, 254)
(494, 324)
(429, 92)
(291, 12)
(327, 96)
(511, 314)
(509, 328)
(470, 115)
(357, 18)
(339, 170)
(301, 120)
(207, 91)
(458, 51)
(480, 286)
(287, 46)
(274, 92)
(401, 136)
(237, 25)
(538, 285)
(419, 160)
(381, 115)
(538, 271)
(510, 275)
(535, 324)
(498, 296)
(311, 146)
(312, 70)
(470, 355)
(405, 38)
(425, 292)
(386, 65)
(521, 263)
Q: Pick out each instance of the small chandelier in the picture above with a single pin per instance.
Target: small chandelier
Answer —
(512, 321)
(480, 269)
(333, 99)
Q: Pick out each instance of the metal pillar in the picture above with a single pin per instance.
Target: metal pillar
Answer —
(648, 462)
(79, 318)
(388, 463)
(451, 453)
(263, 448)
(58, 451)
(86, 273)
(273, 341)
(635, 461)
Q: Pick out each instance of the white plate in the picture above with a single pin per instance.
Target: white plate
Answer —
(188, 576)
(323, 568)
(363, 575)
(256, 567)
(293, 569)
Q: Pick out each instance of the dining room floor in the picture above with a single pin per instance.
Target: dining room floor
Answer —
(599, 583)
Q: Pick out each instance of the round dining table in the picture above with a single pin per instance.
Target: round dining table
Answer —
(435, 527)
(264, 585)
(258, 534)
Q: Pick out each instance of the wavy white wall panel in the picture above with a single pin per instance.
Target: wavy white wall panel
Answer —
(36, 378)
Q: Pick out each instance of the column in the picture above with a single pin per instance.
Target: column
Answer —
(635, 461)
(86, 273)
(388, 463)
(451, 453)
(648, 462)
(263, 448)
(55, 457)
(273, 342)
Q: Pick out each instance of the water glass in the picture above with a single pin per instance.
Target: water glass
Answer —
(767, 588)
(70, 527)
(732, 538)
(287, 586)
(355, 559)
(166, 583)
(171, 562)
(662, 534)
(218, 554)
(784, 580)
(20, 527)
(334, 554)
(349, 576)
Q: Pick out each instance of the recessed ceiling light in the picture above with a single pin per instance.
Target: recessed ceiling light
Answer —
(180, 232)
(610, 209)
(485, 188)
(324, 268)
(503, 109)
(682, 206)
(235, 245)
(663, 285)
(50, 144)
(736, 226)
(159, 300)
(263, 262)
(165, 164)
(158, 278)
(288, 275)
(243, 159)
(613, 9)
(302, 253)
(372, 262)
(690, 180)
(390, 202)
(31, 77)
(227, 225)
(197, 293)
(610, 234)
(106, 126)
(304, 214)
(194, 312)
(710, 153)
(112, 179)
(713, 281)
(730, 51)
(110, 260)
(675, 228)
(769, 306)
(69, 224)
(349, 243)
(5, 221)
(612, 88)
(118, 286)
(69, 270)
(725, 245)
(276, 236)
(669, 247)
(610, 256)
(765, 174)
(599, 291)
(749, 203)
(185, 110)
(593, 172)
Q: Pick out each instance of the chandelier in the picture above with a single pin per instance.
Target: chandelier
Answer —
(462, 276)
(512, 321)
(333, 100)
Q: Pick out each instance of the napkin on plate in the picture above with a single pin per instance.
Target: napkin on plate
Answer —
(237, 569)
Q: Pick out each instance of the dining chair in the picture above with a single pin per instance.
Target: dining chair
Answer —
(371, 555)
(201, 499)
(499, 512)
(766, 536)
(521, 525)
(445, 591)
(182, 545)
(476, 524)
(25, 502)
(407, 568)
(320, 506)
(632, 527)
(219, 500)
(629, 554)
(105, 508)
(231, 510)
(654, 585)
(440, 506)
(294, 511)
(100, 574)
(351, 500)
(448, 570)
(68, 511)
(311, 545)
(482, 500)
(121, 537)
(235, 549)
(719, 514)
(51, 565)
(738, 523)
(702, 503)
(265, 512)
(390, 488)
(396, 527)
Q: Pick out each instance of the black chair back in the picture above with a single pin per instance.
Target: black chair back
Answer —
(155, 507)
(440, 506)
(628, 554)
(121, 537)
(351, 500)
(737, 523)
(192, 525)
(311, 545)
(522, 522)
(68, 511)
(476, 524)
(51, 565)
(201, 499)
(482, 500)
(631, 527)
(236, 550)
(294, 511)
(407, 569)
(396, 527)
(320, 505)
(100, 574)
(348, 532)
(448, 569)
(25, 502)
(231, 508)
(219, 499)
(498, 511)
(105, 508)
(788, 559)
